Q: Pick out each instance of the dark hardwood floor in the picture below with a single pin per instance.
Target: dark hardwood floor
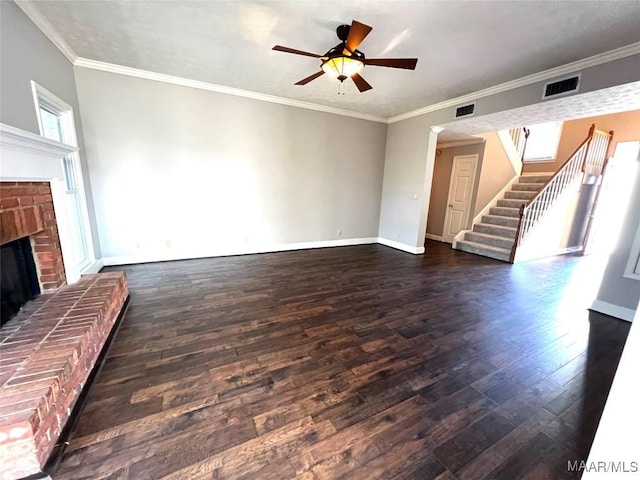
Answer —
(355, 362)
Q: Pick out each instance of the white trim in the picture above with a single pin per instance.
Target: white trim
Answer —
(185, 82)
(225, 252)
(632, 269)
(401, 246)
(460, 143)
(29, 8)
(23, 141)
(572, 67)
(612, 310)
(437, 238)
(93, 267)
(31, 11)
(524, 255)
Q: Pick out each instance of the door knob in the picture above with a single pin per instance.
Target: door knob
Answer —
(451, 205)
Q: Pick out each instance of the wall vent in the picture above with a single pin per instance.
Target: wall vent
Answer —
(561, 87)
(466, 110)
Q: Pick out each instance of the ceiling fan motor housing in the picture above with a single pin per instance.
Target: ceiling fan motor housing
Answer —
(343, 32)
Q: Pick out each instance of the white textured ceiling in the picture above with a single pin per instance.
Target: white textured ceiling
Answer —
(462, 46)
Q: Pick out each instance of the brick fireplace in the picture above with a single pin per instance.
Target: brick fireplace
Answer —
(51, 350)
(26, 210)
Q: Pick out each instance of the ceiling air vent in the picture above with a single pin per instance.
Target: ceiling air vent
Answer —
(561, 87)
(466, 110)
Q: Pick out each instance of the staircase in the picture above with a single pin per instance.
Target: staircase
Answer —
(495, 235)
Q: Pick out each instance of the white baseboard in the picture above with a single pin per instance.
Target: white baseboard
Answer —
(94, 267)
(612, 310)
(401, 246)
(431, 236)
(225, 252)
(525, 257)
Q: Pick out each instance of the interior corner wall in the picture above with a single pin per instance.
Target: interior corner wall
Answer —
(441, 181)
(496, 171)
(180, 172)
(617, 291)
(626, 127)
(26, 55)
(406, 162)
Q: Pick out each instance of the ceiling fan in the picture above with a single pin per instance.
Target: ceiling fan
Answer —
(345, 60)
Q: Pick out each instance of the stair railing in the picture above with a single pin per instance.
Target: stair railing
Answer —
(520, 137)
(588, 158)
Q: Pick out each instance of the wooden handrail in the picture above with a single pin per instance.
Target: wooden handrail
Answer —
(535, 197)
(590, 157)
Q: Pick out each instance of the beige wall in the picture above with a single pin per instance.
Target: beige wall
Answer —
(626, 127)
(496, 171)
(180, 172)
(440, 184)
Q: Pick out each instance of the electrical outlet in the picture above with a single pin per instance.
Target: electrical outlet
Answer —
(137, 245)
(339, 233)
(167, 243)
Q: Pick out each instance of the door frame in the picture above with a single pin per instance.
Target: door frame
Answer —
(445, 237)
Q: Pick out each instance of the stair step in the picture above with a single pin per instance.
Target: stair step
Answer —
(523, 195)
(497, 230)
(500, 220)
(529, 187)
(534, 178)
(505, 211)
(489, 240)
(511, 203)
(484, 250)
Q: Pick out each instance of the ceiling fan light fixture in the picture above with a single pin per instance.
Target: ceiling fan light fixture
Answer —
(341, 67)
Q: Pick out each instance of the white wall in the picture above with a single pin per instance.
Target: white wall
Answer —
(180, 172)
(618, 295)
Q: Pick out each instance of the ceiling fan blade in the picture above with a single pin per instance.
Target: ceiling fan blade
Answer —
(280, 48)
(304, 81)
(408, 63)
(360, 82)
(357, 33)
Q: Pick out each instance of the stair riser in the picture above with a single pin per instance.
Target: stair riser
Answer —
(534, 179)
(466, 247)
(521, 195)
(495, 230)
(505, 222)
(505, 212)
(491, 241)
(527, 187)
(511, 203)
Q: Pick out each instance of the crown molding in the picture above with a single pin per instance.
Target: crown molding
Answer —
(31, 11)
(185, 82)
(599, 59)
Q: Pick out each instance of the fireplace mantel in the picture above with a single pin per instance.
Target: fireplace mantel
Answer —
(27, 157)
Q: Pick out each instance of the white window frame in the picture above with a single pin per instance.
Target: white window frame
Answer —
(43, 98)
(551, 158)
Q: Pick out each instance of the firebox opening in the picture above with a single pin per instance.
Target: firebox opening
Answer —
(18, 277)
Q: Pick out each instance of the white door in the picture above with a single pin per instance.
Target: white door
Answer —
(463, 175)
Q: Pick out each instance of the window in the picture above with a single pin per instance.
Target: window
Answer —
(542, 144)
(56, 122)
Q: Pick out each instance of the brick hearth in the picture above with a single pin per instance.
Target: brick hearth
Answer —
(26, 210)
(48, 351)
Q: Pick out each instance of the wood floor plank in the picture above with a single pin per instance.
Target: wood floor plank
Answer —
(355, 362)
